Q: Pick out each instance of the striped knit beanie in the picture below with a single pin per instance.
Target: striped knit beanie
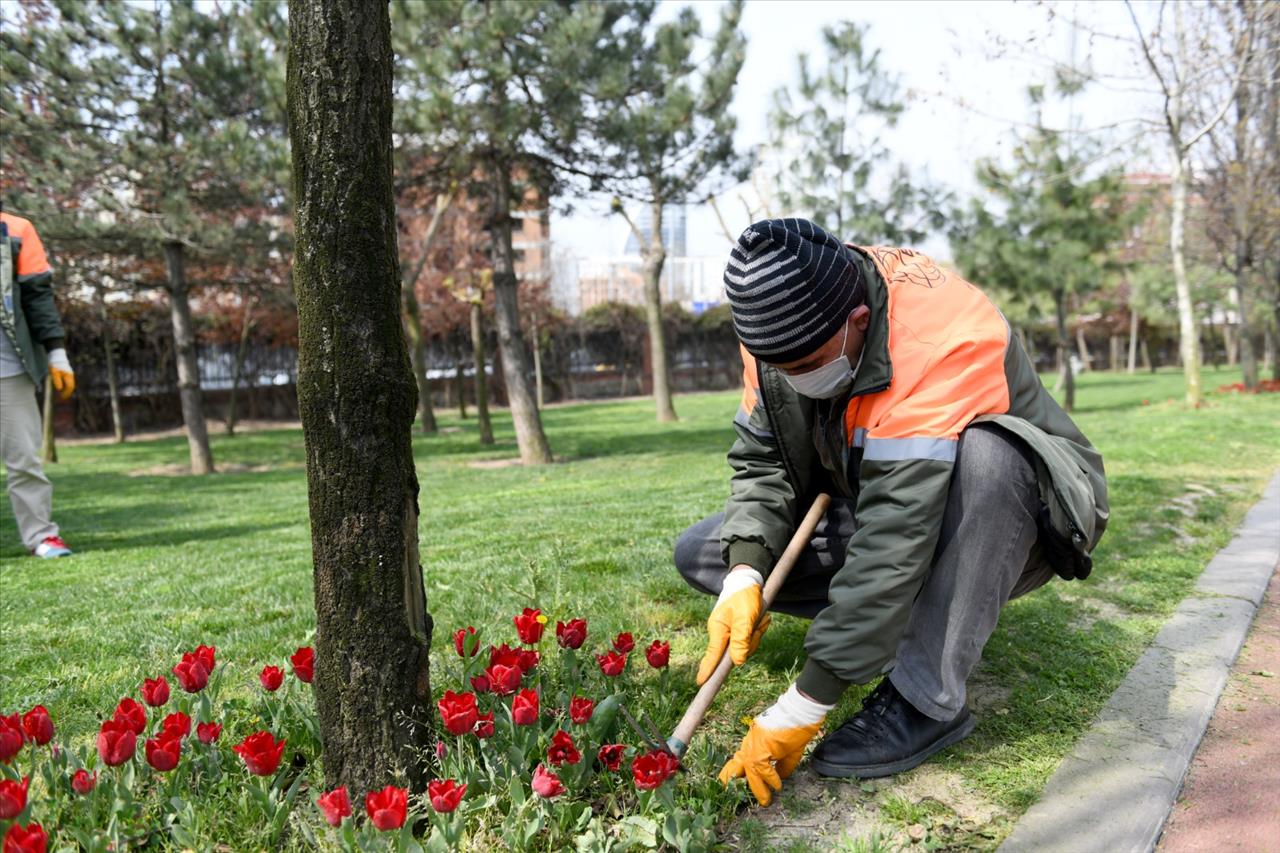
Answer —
(790, 285)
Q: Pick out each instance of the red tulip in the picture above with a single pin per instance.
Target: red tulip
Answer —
(25, 839)
(464, 638)
(386, 808)
(13, 797)
(445, 794)
(271, 677)
(304, 663)
(261, 753)
(546, 784)
(208, 732)
(528, 660)
(480, 683)
(458, 712)
(524, 708)
(484, 725)
(191, 673)
(206, 656)
(155, 691)
(132, 714)
(610, 755)
(562, 750)
(653, 768)
(503, 680)
(335, 805)
(38, 725)
(82, 782)
(658, 654)
(117, 741)
(504, 655)
(529, 625)
(11, 737)
(624, 643)
(163, 752)
(176, 725)
(581, 709)
(571, 634)
(612, 664)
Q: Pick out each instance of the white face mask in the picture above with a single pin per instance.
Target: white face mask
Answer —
(830, 380)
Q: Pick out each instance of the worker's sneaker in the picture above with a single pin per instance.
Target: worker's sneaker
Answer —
(51, 547)
(887, 736)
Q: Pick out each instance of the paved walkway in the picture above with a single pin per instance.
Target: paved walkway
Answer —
(1231, 799)
(1116, 789)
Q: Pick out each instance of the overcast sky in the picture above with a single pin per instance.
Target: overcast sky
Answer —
(965, 66)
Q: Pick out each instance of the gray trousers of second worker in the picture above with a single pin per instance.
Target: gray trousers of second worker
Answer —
(987, 553)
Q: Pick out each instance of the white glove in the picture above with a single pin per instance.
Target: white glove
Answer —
(58, 359)
(60, 373)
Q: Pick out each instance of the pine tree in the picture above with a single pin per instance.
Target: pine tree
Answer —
(356, 395)
(1056, 230)
(500, 90)
(663, 115)
(160, 132)
(831, 160)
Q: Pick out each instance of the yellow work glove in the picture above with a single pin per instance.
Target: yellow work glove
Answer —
(64, 378)
(733, 621)
(775, 743)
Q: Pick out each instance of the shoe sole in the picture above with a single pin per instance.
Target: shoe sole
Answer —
(874, 771)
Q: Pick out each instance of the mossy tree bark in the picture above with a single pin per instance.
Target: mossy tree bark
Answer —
(356, 397)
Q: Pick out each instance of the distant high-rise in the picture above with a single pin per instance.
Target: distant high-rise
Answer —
(674, 230)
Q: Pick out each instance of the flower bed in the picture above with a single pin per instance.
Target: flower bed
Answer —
(530, 755)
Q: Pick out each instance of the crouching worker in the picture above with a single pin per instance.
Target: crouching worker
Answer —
(957, 483)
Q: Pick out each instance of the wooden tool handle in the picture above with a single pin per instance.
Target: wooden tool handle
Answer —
(692, 718)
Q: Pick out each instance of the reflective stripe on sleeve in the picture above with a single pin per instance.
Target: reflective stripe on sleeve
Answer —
(743, 420)
(898, 449)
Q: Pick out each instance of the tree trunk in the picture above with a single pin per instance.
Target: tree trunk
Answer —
(534, 449)
(356, 398)
(1147, 363)
(1214, 356)
(1082, 345)
(481, 385)
(1133, 340)
(1115, 354)
(537, 360)
(184, 341)
(413, 317)
(459, 384)
(655, 256)
(1248, 360)
(1269, 354)
(1068, 375)
(1188, 331)
(113, 382)
(49, 444)
(237, 370)
(418, 356)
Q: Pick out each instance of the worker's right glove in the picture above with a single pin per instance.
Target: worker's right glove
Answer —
(775, 743)
(733, 621)
(60, 372)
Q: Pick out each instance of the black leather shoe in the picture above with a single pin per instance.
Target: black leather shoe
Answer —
(887, 736)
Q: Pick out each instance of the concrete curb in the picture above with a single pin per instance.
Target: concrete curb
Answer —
(1116, 789)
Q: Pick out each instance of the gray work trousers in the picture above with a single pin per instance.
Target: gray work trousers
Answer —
(987, 553)
(30, 492)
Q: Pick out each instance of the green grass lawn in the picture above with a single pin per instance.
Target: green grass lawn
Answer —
(167, 562)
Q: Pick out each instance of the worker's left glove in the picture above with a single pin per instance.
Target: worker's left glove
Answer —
(64, 378)
(775, 744)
